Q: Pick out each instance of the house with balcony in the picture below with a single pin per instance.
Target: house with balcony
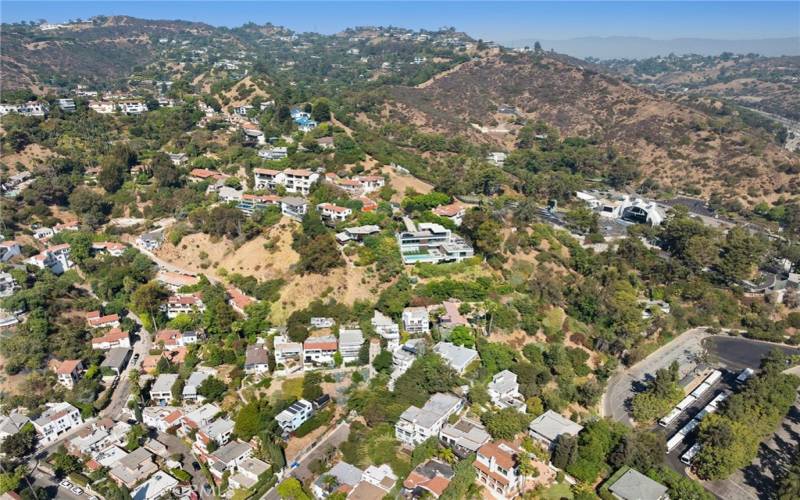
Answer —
(274, 153)
(57, 420)
(219, 432)
(249, 203)
(256, 359)
(267, 178)
(497, 469)
(299, 180)
(504, 391)
(198, 418)
(319, 351)
(55, 258)
(288, 355)
(184, 303)
(294, 208)
(350, 342)
(295, 415)
(333, 213)
(175, 281)
(418, 424)
(161, 418)
(386, 328)
(161, 390)
(112, 339)
(431, 243)
(465, 436)
(416, 320)
(68, 371)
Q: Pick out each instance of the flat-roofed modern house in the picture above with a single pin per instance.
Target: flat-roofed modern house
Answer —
(418, 424)
(56, 420)
(416, 320)
(458, 357)
(350, 342)
(465, 436)
(161, 390)
(549, 425)
(431, 243)
(293, 417)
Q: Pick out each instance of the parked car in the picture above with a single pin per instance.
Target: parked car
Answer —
(66, 484)
(77, 490)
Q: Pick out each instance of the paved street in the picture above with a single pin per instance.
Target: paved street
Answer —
(119, 399)
(685, 349)
(43, 480)
(301, 471)
(175, 445)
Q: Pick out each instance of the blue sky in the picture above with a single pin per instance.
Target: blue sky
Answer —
(499, 21)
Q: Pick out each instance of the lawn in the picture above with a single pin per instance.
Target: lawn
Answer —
(557, 492)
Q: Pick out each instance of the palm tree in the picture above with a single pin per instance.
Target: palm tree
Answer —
(447, 455)
(525, 468)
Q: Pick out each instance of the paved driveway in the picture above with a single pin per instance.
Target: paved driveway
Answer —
(175, 445)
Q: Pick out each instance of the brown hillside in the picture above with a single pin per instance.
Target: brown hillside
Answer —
(675, 145)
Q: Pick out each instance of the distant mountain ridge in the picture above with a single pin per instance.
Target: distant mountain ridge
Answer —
(617, 47)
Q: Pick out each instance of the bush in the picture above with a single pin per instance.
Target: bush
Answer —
(317, 420)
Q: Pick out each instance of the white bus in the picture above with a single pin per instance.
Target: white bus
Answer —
(664, 422)
(712, 379)
(687, 457)
(718, 399)
(686, 402)
(675, 440)
(700, 389)
(689, 427)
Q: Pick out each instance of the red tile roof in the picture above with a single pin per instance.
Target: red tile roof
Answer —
(68, 366)
(113, 335)
(266, 171)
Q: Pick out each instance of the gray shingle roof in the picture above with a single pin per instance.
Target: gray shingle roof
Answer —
(551, 425)
(633, 485)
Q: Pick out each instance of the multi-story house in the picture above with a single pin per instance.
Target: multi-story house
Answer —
(295, 415)
(194, 381)
(161, 390)
(55, 258)
(9, 249)
(267, 178)
(432, 243)
(57, 419)
(252, 202)
(219, 431)
(333, 213)
(8, 285)
(386, 328)
(161, 418)
(294, 208)
(96, 320)
(133, 468)
(247, 474)
(67, 371)
(228, 458)
(184, 304)
(497, 469)
(504, 391)
(416, 320)
(198, 418)
(350, 342)
(174, 339)
(319, 351)
(288, 355)
(299, 180)
(404, 357)
(111, 339)
(256, 359)
(418, 424)
(275, 153)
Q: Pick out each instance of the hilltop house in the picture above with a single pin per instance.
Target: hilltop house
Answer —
(386, 328)
(273, 153)
(295, 415)
(319, 351)
(111, 339)
(249, 203)
(150, 241)
(549, 425)
(432, 243)
(256, 359)
(294, 208)
(350, 342)
(333, 213)
(404, 357)
(67, 371)
(175, 281)
(186, 303)
(418, 424)
(357, 233)
(458, 357)
(55, 258)
(416, 320)
(504, 391)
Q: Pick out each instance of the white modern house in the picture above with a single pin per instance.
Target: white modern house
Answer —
(293, 417)
(55, 258)
(431, 243)
(194, 381)
(288, 355)
(57, 419)
(350, 342)
(294, 208)
(161, 391)
(504, 391)
(416, 320)
(386, 328)
(418, 424)
(333, 213)
(458, 357)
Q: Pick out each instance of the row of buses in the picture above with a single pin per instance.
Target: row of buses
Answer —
(689, 400)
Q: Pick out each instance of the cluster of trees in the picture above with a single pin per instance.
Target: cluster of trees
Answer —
(319, 252)
(659, 396)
